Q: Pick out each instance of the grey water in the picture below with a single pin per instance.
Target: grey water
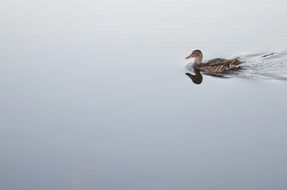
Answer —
(94, 95)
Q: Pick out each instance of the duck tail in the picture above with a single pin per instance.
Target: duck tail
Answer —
(237, 61)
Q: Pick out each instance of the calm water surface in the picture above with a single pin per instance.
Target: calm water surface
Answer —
(94, 96)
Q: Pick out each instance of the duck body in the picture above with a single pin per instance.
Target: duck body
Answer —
(220, 66)
(215, 66)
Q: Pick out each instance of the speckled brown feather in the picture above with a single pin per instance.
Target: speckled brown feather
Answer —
(221, 66)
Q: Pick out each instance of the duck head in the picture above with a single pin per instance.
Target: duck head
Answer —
(197, 55)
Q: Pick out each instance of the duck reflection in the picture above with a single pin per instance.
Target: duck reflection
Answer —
(197, 78)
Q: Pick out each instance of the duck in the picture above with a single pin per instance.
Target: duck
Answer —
(215, 66)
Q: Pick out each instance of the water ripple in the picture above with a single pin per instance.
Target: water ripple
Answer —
(269, 66)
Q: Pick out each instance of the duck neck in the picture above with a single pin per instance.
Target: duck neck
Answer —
(198, 61)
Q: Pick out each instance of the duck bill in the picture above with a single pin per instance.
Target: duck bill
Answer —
(188, 57)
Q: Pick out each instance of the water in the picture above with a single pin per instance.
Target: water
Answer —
(271, 66)
(94, 95)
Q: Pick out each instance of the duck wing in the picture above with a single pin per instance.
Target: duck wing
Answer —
(220, 65)
(220, 61)
(215, 61)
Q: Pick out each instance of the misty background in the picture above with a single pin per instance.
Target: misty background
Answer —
(94, 96)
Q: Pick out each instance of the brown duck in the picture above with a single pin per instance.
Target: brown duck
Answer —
(215, 66)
